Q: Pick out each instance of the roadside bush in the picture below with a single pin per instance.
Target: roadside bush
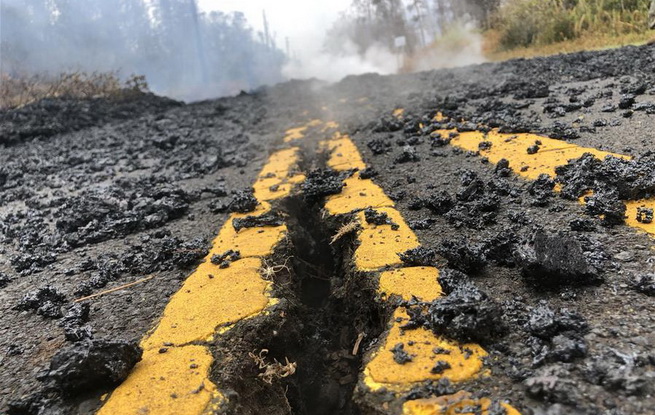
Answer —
(523, 23)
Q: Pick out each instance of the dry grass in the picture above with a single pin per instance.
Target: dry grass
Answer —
(528, 23)
(18, 91)
(268, 271)
(274, 370)
(586, 42)
(528, 28)
(345, 230)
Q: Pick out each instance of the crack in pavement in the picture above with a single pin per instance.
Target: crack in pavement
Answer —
(175, 373)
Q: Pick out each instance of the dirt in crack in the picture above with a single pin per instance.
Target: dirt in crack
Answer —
(330, 319)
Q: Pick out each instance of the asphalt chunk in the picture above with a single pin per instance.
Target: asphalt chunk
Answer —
(645, 284)
(542, 190)
(466, 314)
(73, 322)
(320, 183)
(554, 260)
(463, 255)
(500, 248)
(379, 146)
(46, 301)
(267, 219)
(419, 256)
(616, 371)
(92, 365)
(4, 280)
(502, 168)
(553, 384)
(631, 179)
(407, 155)
(546, 323)
(440, 367)
(644, 215)
(606, 204)
(450, 279)
(400, 356)
(368, 173)
(243, 201)
(374, 217)
(439, 203)
(226, 258)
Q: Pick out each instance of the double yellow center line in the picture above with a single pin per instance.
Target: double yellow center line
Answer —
(174, 375)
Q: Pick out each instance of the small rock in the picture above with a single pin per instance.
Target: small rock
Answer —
(624, 256)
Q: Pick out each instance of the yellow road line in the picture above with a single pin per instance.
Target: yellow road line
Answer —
(377, 250)
(356, 193)
(173, 375)
(420, 282)
(299, 133)
(379, 246)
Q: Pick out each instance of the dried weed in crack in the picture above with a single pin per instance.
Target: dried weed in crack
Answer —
(268, 271)
(272, 370)
(349, 227)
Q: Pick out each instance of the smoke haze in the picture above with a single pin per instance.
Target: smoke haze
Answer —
(190, 50)
(183, 53)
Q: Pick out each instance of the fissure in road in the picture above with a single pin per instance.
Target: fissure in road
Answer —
(330, 318)
(329, 313)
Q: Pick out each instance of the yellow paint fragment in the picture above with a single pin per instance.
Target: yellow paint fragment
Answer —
(458, 404)
(420, 282)
(513, 147)
(210, 298)
(439, 117)
(632, 207)
(258, 241)
(298, 133)
(294, 134)
(398, 113)
(330, 125)
(172, 383)
(379, 245)
(357, 194)
(276, 187)
(277, 178)
(382, 371)
(280, 162)
(344, 155)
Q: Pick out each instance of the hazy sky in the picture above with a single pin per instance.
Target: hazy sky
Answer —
(303, 21)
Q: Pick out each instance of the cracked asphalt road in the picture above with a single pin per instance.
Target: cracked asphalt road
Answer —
(90, 202)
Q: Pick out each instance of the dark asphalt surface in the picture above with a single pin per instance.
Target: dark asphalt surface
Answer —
(91, 202)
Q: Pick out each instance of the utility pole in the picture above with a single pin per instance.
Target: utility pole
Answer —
(267, 37)
(199, 44)
(419, 16)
